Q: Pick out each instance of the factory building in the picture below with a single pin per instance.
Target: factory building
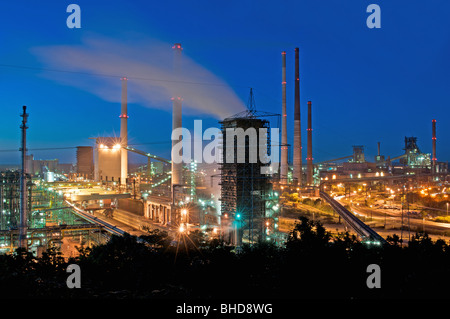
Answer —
(10, 199)
(38, 167)
(414, 158)
(107, 159)
(412, 161)
(42, 167)
(85, 162)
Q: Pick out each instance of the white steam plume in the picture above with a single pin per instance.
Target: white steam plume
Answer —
(148, 65)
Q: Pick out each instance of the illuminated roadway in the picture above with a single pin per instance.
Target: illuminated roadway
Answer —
(407, 219)
(364, 231)
(108, 227)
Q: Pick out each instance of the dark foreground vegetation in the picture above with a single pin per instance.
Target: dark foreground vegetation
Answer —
(312, 264)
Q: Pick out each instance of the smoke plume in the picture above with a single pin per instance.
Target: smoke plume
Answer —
(148, 64)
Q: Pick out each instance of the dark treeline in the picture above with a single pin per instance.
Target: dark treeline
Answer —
(312, 264)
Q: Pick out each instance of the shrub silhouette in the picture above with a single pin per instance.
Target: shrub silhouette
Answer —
(312, 264)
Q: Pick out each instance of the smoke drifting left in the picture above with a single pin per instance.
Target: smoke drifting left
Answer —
(148, 64)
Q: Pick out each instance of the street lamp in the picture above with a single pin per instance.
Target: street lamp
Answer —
(173, 207)
(184, 219)
(237, 225)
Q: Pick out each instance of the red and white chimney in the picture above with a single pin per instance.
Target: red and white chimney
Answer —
(434, 159)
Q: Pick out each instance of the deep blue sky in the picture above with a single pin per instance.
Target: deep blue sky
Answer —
(366, 85)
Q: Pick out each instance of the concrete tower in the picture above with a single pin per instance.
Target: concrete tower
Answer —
(284, 147)
(177, 168)
(297, 168)
(124, 134)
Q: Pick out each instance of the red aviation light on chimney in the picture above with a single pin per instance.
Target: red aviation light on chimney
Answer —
(123, 115)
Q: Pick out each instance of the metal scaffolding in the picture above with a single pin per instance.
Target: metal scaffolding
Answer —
(244, 186)
(10, 199)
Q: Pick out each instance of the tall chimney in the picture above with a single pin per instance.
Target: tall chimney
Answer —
(434, 146)
(23, 184)
(124, 134)
(176, 118)
(379, 151)
(309, 159)
(284, 147)
(297, 162)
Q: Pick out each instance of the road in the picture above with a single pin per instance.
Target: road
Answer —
(393, 218)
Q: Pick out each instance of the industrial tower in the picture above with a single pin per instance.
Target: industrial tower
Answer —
(297, 168)
(284, 167)
(124, 134)
(244, 186)
(177, 167)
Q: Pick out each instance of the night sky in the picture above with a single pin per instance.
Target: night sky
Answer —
(366, 85)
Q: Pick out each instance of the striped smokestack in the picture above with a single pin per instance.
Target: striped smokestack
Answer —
(297, 162)
(434, 146)
(309, 159)
(176, 118)
(284, 147)
(124, 134)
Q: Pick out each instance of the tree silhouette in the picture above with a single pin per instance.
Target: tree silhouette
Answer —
(312, 264)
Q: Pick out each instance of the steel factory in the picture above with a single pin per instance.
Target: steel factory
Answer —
(241, 202)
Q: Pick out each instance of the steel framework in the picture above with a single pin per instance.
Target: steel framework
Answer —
(244, 187)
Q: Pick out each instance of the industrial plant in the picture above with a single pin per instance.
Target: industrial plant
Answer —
(239, 202)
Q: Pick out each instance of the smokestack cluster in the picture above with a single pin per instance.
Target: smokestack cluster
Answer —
(297, 161)
(309, 159)
(124, 134)
(284, 147)
(434, 159)
(176, 118)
